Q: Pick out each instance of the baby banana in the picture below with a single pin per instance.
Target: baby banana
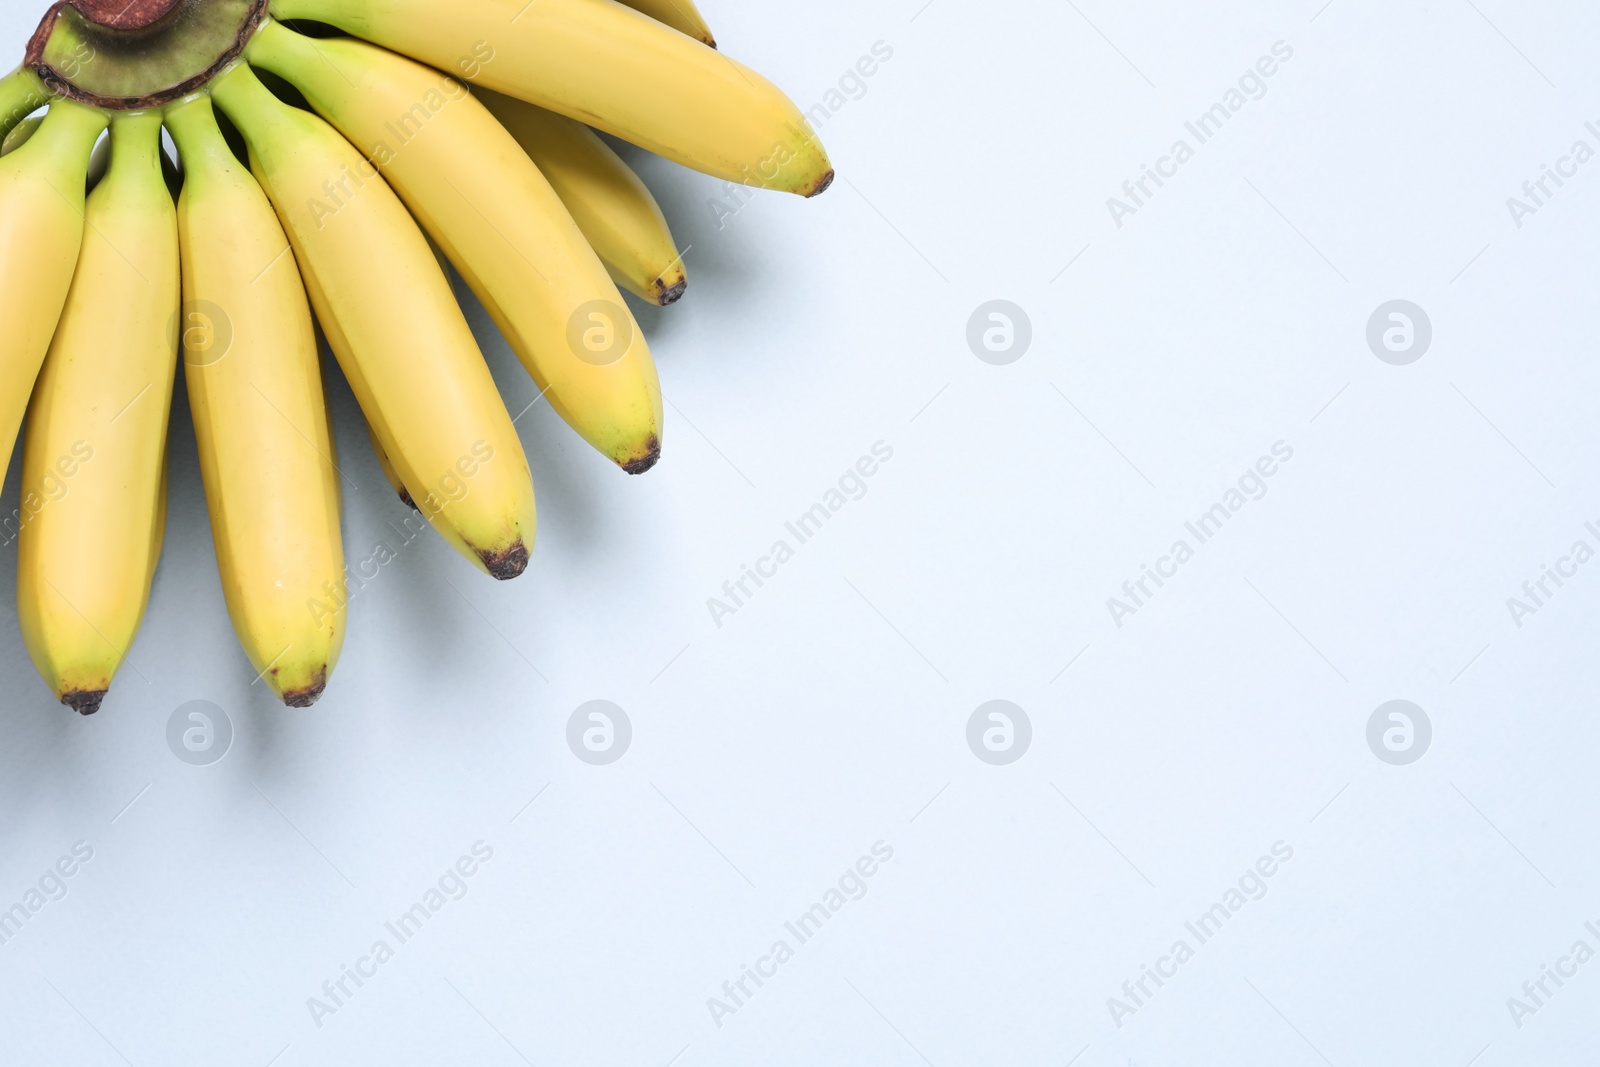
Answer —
(94, 456)
(260, 417)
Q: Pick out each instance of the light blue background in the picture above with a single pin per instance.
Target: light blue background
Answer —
(830, 712)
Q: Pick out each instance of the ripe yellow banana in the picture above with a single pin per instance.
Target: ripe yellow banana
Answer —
(609, 66)
(617, 214)
(497, 219)
(260, 417)
(94, 457)
(41, 225)
(681, 15)
(393, 322)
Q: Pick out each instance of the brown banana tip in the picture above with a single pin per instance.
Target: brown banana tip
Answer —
(671, 294)
(822, 184)
(303, 698)
(508, 564)
(84, 701)
(709, 41)
(306, 696)
(405, 498)
(651, 457)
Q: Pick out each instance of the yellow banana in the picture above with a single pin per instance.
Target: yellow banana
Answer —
(617, 214)
(498, 220)
(609, 66)
(393, 322)
(94, 457)
(681, 15)
(260, 417)
(41, 226)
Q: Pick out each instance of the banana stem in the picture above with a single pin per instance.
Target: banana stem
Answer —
(240, 92)
(68, 132)
(194, 129)
(21, 94)
(274, 44)
(135, 146)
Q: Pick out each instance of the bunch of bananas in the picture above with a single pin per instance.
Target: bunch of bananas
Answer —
(309, 149)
